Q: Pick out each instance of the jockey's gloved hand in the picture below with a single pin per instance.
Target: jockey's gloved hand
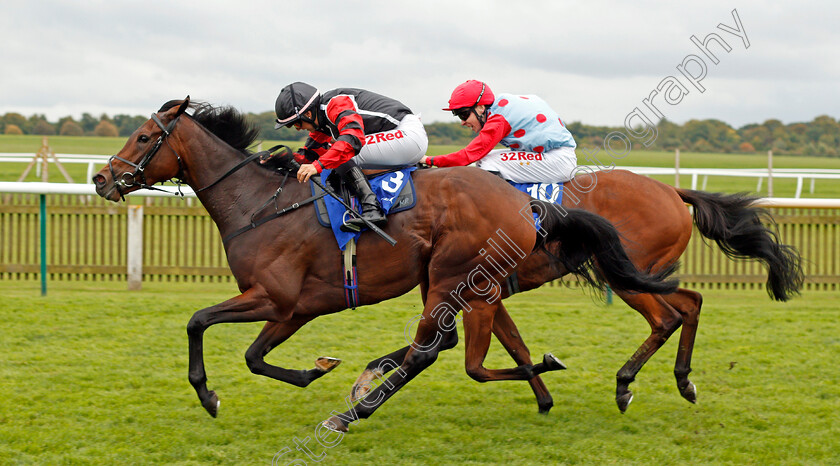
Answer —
(424, 162)
(278, 157)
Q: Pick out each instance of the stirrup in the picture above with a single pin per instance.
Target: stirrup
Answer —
(356, 224)
(348, 227)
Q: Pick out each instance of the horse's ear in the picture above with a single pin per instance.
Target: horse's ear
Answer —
(183, 108)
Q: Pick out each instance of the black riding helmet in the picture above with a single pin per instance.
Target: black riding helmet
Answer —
(293, 102)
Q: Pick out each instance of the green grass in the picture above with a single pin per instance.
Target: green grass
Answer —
(62, 144)
(92, 374)
(782, 187)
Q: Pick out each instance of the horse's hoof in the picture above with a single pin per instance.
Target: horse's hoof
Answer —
(212, 404)
(544, 408)
(363, 384)
(334, 424)
(689, 392)
(623, 401)
(326, 364)
(552, 363)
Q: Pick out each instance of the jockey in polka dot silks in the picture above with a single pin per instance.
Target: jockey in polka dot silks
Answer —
(540, 148)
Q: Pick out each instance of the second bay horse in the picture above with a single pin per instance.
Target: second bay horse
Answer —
(655, 227)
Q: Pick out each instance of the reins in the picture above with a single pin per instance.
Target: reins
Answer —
(277, 212)
(325, 191)
(241, 164)
(274, 215)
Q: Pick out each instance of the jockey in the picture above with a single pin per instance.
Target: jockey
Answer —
(350, 129)
(540, 148)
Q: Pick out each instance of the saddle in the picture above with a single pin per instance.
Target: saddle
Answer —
(394, 188)
(395, 191)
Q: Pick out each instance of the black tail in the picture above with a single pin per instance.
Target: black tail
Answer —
(744, 231)
(583, 238)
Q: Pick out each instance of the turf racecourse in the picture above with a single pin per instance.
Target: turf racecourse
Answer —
(783, 187)
(92, 374)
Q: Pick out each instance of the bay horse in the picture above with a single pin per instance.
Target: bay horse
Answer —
(467, 231)
(655, 228)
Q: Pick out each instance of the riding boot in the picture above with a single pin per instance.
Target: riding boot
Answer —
(359, 187)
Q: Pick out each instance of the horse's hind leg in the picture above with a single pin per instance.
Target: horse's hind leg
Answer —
(385, 364)
(375, 370)
(478, 324)
(663, 320)
(423, 352)
(508, 335)
(687, 303)
(504, 329)
(250, 306)
(382, 365)
(273, 334)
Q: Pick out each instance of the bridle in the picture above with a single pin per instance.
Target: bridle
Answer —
(130, 179)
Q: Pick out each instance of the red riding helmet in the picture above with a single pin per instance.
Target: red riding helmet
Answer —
(470, 94)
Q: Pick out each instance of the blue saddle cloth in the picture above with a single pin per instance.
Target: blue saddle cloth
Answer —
(548, 192)
(395, 191)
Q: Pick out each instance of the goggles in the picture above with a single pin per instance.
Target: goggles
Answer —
(462, 113)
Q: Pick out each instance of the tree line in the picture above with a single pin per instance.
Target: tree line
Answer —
(88, 125)
(820, 137)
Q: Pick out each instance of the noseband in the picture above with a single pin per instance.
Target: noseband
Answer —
(138, 177)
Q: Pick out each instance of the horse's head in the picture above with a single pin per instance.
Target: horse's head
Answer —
(146, 158)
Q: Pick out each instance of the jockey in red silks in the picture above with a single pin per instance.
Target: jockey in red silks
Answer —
(350, 129)
(540, 148)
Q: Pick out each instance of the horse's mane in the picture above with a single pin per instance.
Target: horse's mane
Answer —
(226, 122)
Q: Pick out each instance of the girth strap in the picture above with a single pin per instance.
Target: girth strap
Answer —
(351, 284)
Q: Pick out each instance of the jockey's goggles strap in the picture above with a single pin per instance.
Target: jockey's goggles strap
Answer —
(480, 95)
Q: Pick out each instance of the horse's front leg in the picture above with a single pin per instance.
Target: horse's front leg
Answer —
(250, 306)
(273, 334)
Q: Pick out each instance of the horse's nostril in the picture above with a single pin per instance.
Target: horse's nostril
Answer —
(99, 180)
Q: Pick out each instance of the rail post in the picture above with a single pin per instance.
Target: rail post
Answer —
(135, 247)
(677, 168)
(42, 219)
(769, 173)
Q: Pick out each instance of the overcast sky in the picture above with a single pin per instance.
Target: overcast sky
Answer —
(593, 61)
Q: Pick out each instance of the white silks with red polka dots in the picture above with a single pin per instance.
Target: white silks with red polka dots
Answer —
(541, 150)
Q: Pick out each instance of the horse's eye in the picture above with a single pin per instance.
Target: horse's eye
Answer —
(143, 138)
